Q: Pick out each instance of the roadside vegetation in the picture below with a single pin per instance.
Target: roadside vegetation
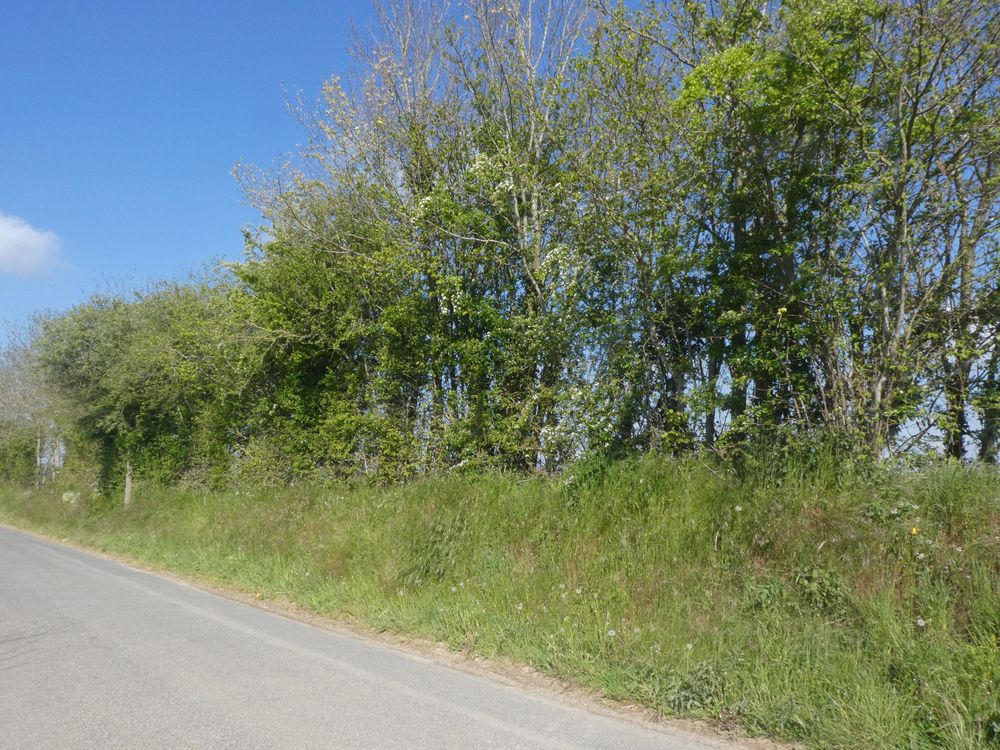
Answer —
(829, 604)
(654, 345)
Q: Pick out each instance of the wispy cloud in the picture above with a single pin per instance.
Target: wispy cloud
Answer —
(26, 251)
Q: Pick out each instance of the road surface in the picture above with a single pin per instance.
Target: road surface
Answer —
(95, 654)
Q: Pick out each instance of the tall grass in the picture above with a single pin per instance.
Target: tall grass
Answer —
(843, 606)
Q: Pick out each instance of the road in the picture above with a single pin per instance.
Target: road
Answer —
(95, 654)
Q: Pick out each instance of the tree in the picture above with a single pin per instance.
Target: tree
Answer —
(28, 443)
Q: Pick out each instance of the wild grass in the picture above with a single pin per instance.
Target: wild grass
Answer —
(838, 605)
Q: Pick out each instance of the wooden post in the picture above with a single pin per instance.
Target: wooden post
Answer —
(128, 482)
(38, 458)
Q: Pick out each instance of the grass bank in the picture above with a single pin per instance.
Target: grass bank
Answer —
(838, 607)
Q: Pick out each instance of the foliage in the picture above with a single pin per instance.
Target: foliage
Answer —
(666, 313)
(840, 606)
(529, 234)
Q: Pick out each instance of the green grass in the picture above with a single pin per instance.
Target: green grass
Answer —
(802, 607)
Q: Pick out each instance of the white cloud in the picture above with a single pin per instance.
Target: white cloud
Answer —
(26, 251)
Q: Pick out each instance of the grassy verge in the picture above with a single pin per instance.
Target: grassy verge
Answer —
(841, 608)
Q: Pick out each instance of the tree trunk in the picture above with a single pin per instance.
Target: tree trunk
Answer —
(714, 366)
(989, 434)
(957, 386)
(956, 391)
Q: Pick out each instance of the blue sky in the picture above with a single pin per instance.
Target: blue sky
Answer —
(121, 122)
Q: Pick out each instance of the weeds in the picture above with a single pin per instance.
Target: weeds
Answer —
(844, 609)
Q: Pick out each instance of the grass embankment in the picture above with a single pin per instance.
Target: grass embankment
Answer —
(842, 608)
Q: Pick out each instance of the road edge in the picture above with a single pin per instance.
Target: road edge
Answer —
(507, 672)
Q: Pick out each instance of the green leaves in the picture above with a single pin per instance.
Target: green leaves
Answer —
(521, 238)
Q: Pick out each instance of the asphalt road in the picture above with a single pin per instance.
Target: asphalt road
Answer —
(94, 654)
